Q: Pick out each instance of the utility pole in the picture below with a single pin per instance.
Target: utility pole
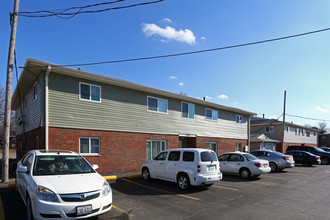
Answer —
(6, 124)
(283, 121)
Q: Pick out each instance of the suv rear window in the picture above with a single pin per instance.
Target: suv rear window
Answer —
(208, 156)
(188, 156)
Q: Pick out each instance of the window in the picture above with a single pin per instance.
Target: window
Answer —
(211, 114)
(270, 129)
(157, 105)
(89, 92)
(188, 156)
(211, 146)
(238, 147)
(35, 92)
(303, 131)
(308, 133)
(174, 156)
(188, 110)
(239, 119)
(154, 148)
(235, 157)
(89, 145)
(161, 156)
(297, 132)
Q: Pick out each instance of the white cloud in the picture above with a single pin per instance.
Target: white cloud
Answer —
(173, 77)
(167, 20)
(203, 38)
(223, 96)
(324, 110)
(169, 33)
(181, 84)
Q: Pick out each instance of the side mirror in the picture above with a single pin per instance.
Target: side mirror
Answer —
(95, 166)
(22, 169)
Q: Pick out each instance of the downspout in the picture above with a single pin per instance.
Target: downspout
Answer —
(46, 106)
(249, 131)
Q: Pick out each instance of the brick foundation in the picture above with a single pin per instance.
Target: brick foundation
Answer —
(122, 151)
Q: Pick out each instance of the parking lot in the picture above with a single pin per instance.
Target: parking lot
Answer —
(297, 193)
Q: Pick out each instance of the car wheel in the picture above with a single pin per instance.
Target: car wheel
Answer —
(145, 174)
(273, 167)
(29, 214)
(324, 160)
(183, 181)
(245, 173)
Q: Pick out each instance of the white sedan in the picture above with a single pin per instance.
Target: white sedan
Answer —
(61, 184)
(244, 164)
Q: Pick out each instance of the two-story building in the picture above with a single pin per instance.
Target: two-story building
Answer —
(272, 132)
(114, 123)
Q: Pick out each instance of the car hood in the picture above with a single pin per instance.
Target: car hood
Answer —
(69, 184)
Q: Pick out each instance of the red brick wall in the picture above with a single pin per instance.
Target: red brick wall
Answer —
(224, 145)
(122, 151)
(30, 139)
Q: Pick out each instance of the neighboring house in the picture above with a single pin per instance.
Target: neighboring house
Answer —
(262, 142)
(324, 140)
(114, 123)
(293, 134)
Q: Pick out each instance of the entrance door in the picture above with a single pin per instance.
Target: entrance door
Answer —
(187, 142)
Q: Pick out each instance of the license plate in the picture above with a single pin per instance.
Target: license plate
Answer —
(82, 210)
(211, 168)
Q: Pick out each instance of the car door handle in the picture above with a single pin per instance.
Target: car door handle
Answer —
(161, 163)
(238, 164)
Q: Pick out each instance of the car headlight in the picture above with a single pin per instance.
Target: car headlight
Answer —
(45, 194)
(105, 189)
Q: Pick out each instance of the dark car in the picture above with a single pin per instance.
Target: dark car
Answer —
(304, 157)
(325, 156)
(325, 149)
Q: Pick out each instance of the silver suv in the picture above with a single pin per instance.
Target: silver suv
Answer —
(185, 166)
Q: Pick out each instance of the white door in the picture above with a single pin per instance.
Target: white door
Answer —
(171, 165)
(159, 164)
(234, 164)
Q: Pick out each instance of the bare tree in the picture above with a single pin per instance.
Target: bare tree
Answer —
(322, 126)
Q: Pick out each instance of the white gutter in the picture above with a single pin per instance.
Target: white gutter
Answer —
(46, 106)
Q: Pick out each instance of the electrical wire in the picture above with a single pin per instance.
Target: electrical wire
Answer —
(199, 51)
(60, 13)
(302, 117)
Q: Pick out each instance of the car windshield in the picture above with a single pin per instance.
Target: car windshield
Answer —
(60, 165)
(278, 153)
(208, 156)
(250, 157)
(319, 149)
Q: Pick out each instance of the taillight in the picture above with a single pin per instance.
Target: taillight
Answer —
(257, 164)
(198, 168)
(219, 167)
(316, 157)
(285, 158)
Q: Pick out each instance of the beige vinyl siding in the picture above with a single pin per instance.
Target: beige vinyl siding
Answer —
(34, 113)
(291, 137)
(123, 109)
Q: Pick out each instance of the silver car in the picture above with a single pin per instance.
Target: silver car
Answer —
(277, 160)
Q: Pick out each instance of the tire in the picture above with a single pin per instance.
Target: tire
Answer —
(273, 167)
(183, 181)
(324, 160)
(145, 174)
(245, 173)
(29, 213)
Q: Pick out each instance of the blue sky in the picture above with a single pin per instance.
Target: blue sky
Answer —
(252, 78)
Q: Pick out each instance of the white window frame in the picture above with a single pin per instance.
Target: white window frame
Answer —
(90, 92)
(161, 141)
(270, 130)
(90, 147)
(35, 92)
(239, 119)
(157, 105)
(188, 110)
(216, 146)
(239, 144)
(212, 110)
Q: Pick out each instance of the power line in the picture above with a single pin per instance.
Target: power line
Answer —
(199, 51)
(302, 117)
(61, 13)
